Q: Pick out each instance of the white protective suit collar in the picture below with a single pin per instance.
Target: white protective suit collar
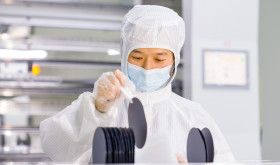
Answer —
(148, 98)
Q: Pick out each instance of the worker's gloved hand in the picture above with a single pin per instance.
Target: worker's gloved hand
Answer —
(107, 90)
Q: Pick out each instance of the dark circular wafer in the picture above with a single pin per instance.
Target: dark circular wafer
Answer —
(99, 147)
(130, 148)
(132, 139)
(196, 150)
(115, 152)
(119, 143)
(109, 153)
(123, 144)
(129, 145)
(209, 144)
(137, 121)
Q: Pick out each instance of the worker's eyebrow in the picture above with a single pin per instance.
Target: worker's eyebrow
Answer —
(136, 51)
(161, 53)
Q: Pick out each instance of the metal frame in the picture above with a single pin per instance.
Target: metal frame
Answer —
(187, 52)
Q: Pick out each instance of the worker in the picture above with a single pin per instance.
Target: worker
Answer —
(151, 40)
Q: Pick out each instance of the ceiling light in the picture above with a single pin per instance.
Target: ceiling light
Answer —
(7, 149)
(7, 93)
(5, 36)
(22, 99)
(22, 54)
(113, 52)
(8, 133)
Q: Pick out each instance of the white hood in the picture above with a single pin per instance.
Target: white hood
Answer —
(150, 26)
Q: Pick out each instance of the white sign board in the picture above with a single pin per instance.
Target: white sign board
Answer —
(225, 68)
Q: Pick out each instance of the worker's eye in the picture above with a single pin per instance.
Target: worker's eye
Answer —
(160, 60)
(136, 58)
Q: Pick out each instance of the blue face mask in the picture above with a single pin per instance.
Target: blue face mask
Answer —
(148, 80)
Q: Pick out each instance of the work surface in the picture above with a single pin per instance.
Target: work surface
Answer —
(263, 162)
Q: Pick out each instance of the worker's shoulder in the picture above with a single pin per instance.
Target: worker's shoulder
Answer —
(191, 108)
(188, 104)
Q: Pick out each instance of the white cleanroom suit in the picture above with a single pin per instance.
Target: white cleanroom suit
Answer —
(67, 136)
